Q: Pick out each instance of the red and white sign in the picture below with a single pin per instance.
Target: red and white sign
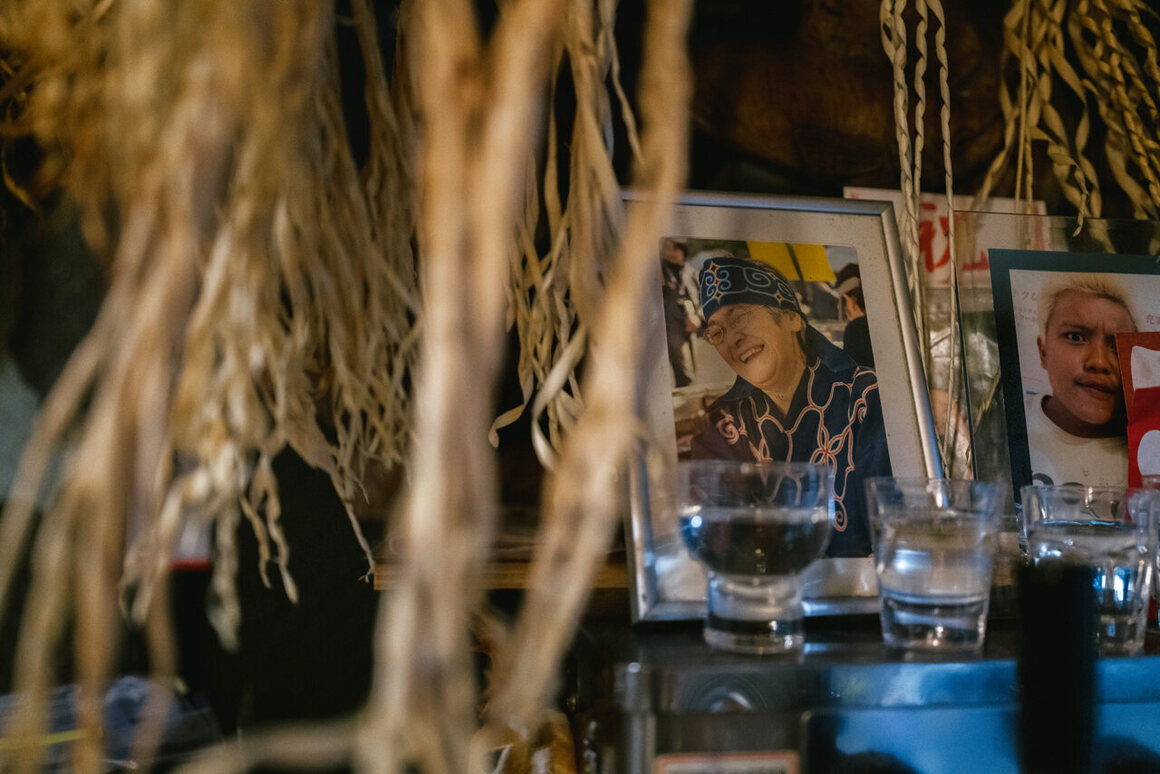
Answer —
(1139, 355)
(934, 225)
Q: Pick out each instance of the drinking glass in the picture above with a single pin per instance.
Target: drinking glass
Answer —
(754, 526)
(1112, 530)
(1151, 481)
(934, 553)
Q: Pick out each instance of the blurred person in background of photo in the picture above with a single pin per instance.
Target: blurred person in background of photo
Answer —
(856, 337)
(678, 291)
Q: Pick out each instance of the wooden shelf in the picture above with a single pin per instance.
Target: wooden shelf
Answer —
(516, 574)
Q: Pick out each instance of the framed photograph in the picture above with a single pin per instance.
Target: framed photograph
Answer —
(1046, 242)
(780, 329)
(1056, 318)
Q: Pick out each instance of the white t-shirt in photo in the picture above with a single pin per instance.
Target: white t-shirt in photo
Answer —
(1058, 457)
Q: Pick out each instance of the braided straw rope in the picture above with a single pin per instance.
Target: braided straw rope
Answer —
(1126, 101)
(910, 157)
(955, 435)
(1123, 91)
(893, 30)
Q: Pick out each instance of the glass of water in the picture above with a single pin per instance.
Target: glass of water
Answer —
(754, 526)
(1151, 481)
(934, 553)
(1113, 531)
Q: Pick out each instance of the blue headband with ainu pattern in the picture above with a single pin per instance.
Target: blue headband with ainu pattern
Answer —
(725, 280)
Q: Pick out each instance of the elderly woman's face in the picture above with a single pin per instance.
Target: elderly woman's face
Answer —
(760, 344)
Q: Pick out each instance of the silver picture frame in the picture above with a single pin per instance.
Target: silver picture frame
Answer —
(665, 583)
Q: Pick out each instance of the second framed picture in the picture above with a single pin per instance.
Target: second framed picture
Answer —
(781, 329)
(1056, 319)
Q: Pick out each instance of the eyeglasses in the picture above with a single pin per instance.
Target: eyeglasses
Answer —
(735, 320)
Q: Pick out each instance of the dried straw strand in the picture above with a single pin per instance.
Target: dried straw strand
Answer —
(241, 320)
(954, 435)
(227, 324)
(555, 293)
(1034, 38)
(1124, 99)
(894, 37)
(581, 501)
(478, 104)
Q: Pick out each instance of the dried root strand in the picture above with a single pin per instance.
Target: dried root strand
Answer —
(263, 294)
(555, 295)
(479, 104)
(581, 506)
(239, 319)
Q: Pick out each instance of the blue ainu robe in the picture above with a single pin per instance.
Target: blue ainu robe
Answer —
(835, 417)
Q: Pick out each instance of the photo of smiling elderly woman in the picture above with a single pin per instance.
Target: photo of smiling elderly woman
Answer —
(796, 396)
(1077, 432)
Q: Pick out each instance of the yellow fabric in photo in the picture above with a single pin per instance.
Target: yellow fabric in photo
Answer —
(790, 258)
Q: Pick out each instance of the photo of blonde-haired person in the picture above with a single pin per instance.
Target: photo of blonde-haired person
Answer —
(1076, 433)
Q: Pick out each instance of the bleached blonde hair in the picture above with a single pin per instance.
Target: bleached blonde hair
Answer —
(1095, 285)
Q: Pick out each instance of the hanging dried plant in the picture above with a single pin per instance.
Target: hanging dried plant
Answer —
(1033, 36)
(937, 334)
(263, 293)
(1103, 54)
(584, 497)
(555, 293)
(1108, 38)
